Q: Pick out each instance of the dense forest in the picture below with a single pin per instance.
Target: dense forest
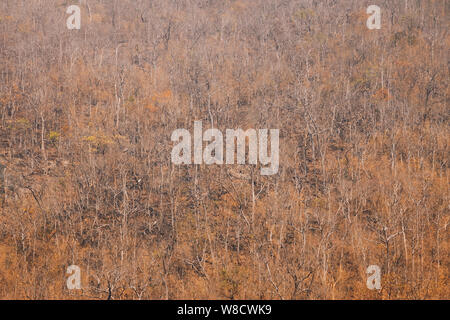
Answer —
(86, 177)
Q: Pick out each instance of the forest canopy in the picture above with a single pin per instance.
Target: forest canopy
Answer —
(86, 177)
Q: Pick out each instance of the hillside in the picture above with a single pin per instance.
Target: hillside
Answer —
(85, 149)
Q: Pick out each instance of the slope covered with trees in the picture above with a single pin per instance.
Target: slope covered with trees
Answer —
(86, 177)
